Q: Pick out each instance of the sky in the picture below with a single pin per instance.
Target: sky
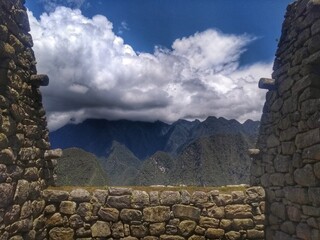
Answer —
(151, 60)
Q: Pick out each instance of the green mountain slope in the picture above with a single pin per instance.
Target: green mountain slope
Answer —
(121, 165)
(155, 170)
(78, 167)
(213, 160)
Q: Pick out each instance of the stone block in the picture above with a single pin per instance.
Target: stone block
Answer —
(55, 220)
(55, 195)
(22, 191)
(279, 210)
(119, 191)
(186, 212)
(303, 231)
(156, 214)
(296, 195)
(312, 152)
(214, 233)
(199, 197)
(117, 230)
(233, 235)
(156, 229)
(281, 163)
(109, 214)
(139, 199)
(139, 231)
(216, 212)
(100, 229)
(119, 202)
(80, 195)
(170, 197)
(6, 194)
(128, 215)
(171, 237)
(305, 176)
(186, 227)
(207, 222)
(238, 211)
(311, 211)
(255, 234)
(239, 224)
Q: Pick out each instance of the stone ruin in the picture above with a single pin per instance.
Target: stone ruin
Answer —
(286, 163)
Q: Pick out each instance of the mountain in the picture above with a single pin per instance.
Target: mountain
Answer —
(96, 136)
(78, 167)
(144, 139)
(121, 165)
(214, 160)
(212, 152)
(155, 170)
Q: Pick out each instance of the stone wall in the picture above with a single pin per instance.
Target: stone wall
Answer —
(25, 158)
(123, 213)
(288, 166)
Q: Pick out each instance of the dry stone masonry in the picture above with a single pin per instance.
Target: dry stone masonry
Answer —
(288, 164)
(25, 159)
(124, 213)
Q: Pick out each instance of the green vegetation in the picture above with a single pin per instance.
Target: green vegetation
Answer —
(79, 168)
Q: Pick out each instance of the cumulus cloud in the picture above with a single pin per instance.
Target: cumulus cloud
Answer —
(94, 74)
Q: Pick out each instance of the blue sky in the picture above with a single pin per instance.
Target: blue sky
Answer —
(154, 59)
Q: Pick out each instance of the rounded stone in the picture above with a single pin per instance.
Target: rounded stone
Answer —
(6, 194)
(59, 233)
(187, 227)
(100, 229)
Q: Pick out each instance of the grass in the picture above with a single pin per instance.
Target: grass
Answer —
(190, 189)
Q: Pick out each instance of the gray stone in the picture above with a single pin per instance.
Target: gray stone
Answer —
(79, 195)
(296, 195)
(171, 237)
(288, 227)
(170, 197)
(85, 209)
(129, 215)
(233, 235)
(154, 198)
(239, 224)
(279, 210)
(314, 194)
(199, 197)
(12, 214)
(294, 214)
(214, 233)
(101, 195)
(216, 212)
(186, 212)
(255, 234)
(76, 221)
(185, 197)
(186, 227)
(100, 229)
(119, 191)
(119, 202)
(311, 211)
(139, 231)
(68, 207)
(305, 176)
(303, 231)
(156, 214)
(55, 220)
(55, 195)
(207, 222)
(6, 194)
(109, 214)
(273, 141)
(308, 139)
(117, 230)
(139, 199)
(157, 229)
(238, 211)
(312, 152)
(26, 210)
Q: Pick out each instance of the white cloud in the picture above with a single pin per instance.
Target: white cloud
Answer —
(93, 74)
